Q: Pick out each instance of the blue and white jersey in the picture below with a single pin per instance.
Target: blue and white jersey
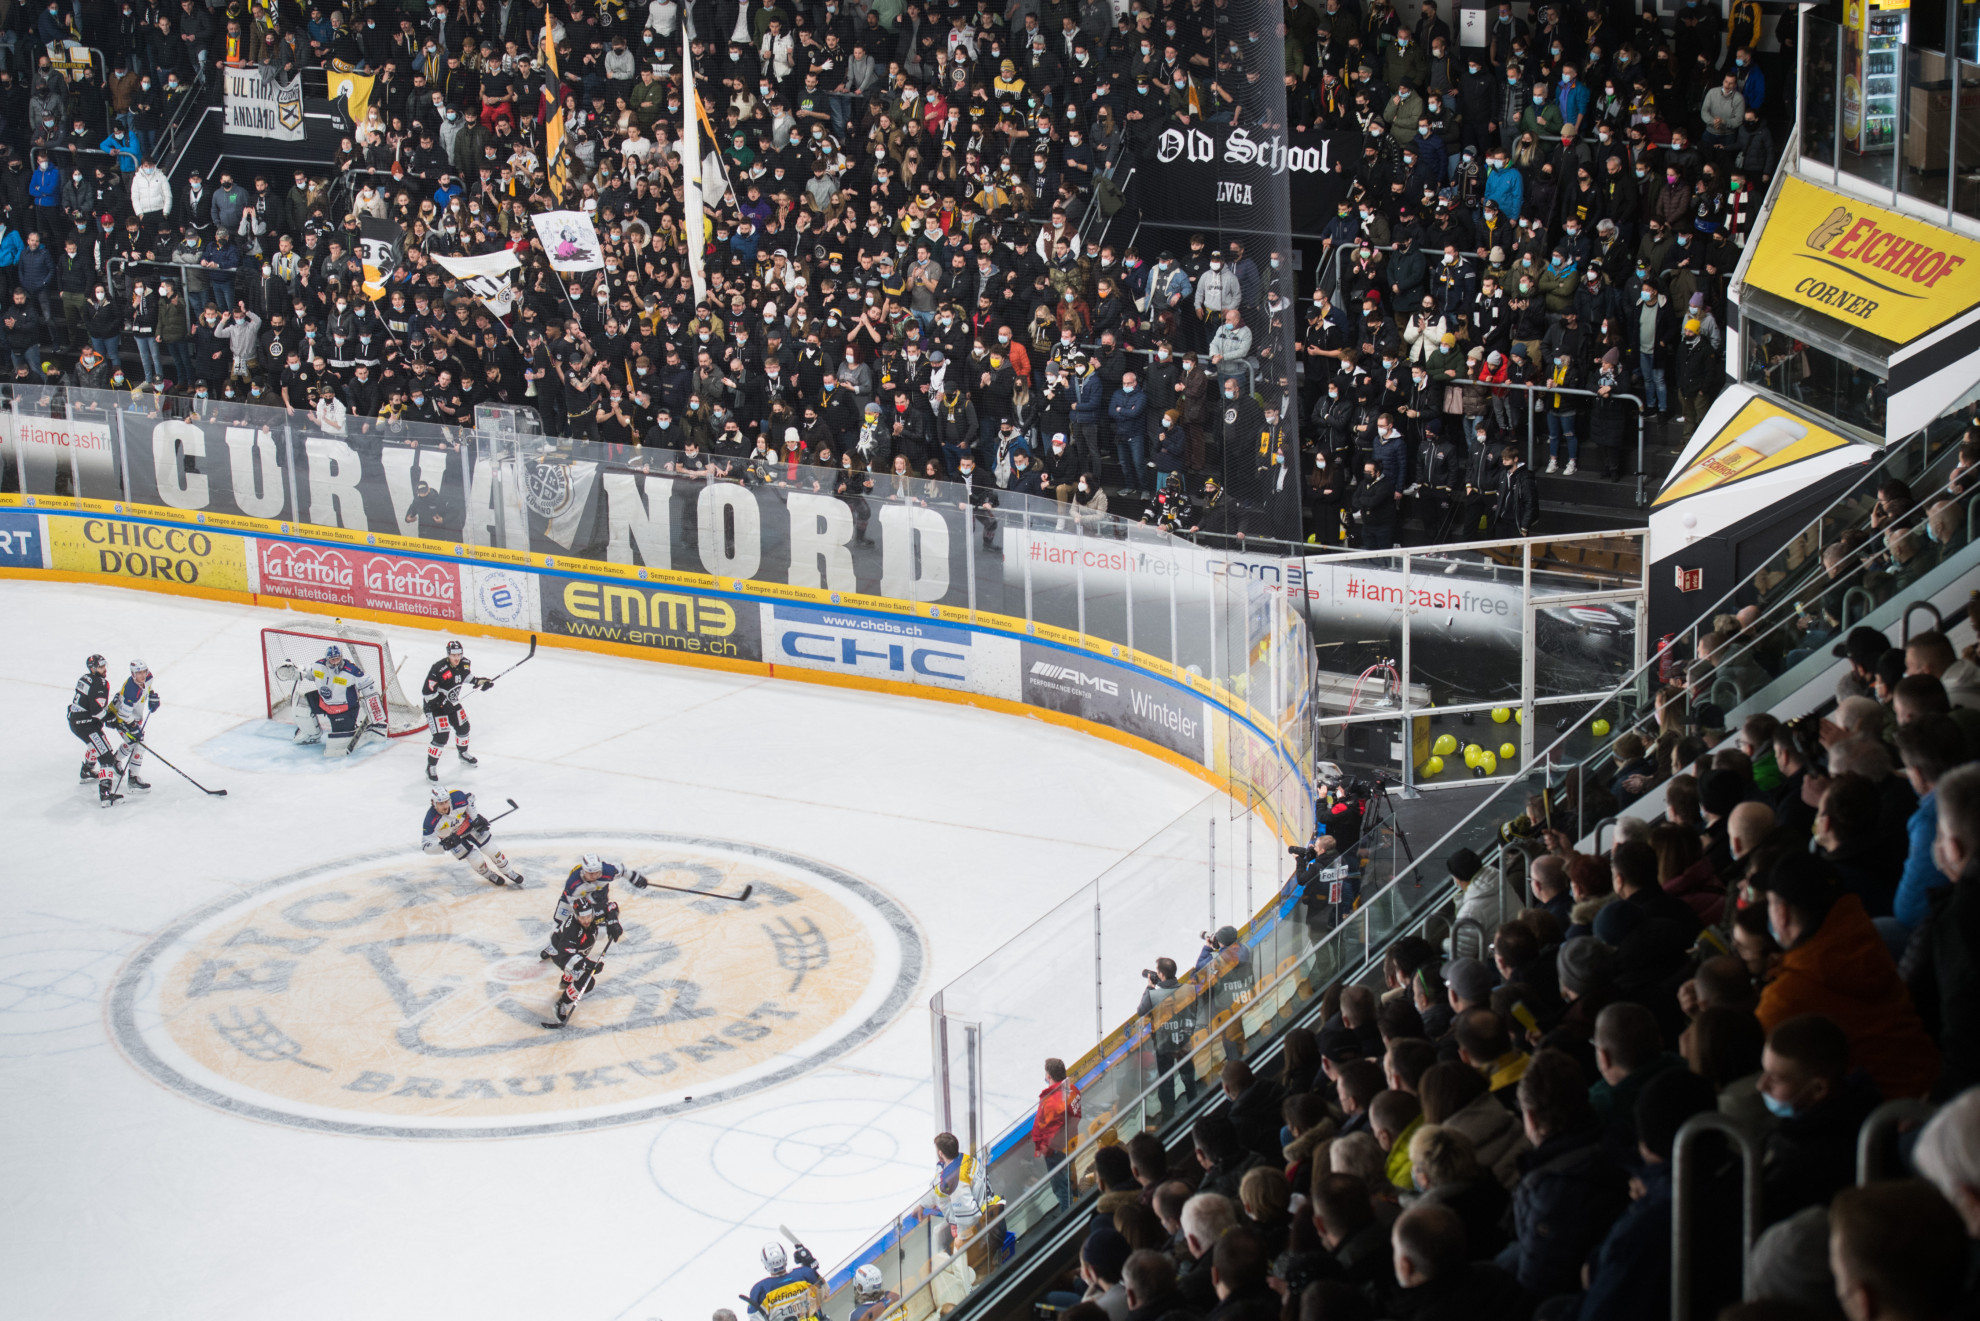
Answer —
(451, 821)
(334, 678)
(579, 886)
(135, 699)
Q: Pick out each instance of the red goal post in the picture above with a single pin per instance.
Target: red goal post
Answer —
(303, 647)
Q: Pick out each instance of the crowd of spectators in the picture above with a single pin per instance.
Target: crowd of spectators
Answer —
(1790, 944)
(910, 255)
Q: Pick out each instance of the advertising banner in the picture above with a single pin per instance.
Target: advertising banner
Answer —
(640, 615)
(1121, 698)
(189, 557)
(1896, 277)
(20, 540)
(69, 456)
(502, 597)
(1200, 175)
(905, 650)
(1760, 438)
(340, 575)
(260, 105)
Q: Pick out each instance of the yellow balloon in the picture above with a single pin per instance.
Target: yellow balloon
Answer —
(1519, 717)
(1507, 751)
(1501, 714)
(1487, 762)
(1600, 728)
(1444, 746)
(1435, 766)
(1471, 751)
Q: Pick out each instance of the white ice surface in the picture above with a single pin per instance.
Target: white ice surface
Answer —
(121, 1198)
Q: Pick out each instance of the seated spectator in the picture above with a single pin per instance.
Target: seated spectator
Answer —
(1485, 1045)
(1222, 1154)
(1354, 1027)
(1437, 1280)
(1629, 1054)
(1719, 792)
(1929, 747)
(1869, 756)
(1469, 984)
(1634, 874)
(1447, 1173)
(1899, 1252)
(1357, 1083)
(1118, 1186)
(1254, 1107)
(1945, 973)
(1394, 1117)
(1592, 888)
(1835, 964)
(1629, 1279)
(1569, 1191)
(1350, 1230)
(1549, 883)
(1478, 883)
(1362, 1156)
(1405, 1061)
(1683, 871)
(1455, 1096)
(1846, 834)
(1807, 1082)
(1206, 1219)
(1149, 1280)
(1264, 1195)
(1309, 1125)
(1585, 967)
(1722, 1046)
(1519, 956)
(1948, 1153)
(1100, 1260)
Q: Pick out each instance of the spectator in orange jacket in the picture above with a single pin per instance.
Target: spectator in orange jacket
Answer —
(1837, 965)
(1055, 1128)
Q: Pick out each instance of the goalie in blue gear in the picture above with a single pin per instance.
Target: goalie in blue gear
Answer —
(339, 694)
(453, 826)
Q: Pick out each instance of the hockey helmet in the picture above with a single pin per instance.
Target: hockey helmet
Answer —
(441, 798)
(96, 664)
(139, 667)
(592, 864)
(454, 648)
(333, 652)
(867, 1283)
(774, 1260)
(588, 908)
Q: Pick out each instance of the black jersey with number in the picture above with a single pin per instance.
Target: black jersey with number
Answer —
(92, 700)
(444, 683)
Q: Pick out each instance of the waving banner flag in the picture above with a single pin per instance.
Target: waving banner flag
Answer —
(486, 277)
(382, 244)
(556, 161)
(696, 231)
(341, 80)
(570, 240)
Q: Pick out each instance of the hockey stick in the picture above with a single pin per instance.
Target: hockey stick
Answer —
(139, 740)
(512, 809)
(525, 660)
(706, 894)
(600, 961)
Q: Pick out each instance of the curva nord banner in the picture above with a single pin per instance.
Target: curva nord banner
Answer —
(1214, 176)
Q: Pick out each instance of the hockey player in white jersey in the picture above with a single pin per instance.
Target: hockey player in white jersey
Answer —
(338, 693)
(132, 705)
(454, 826)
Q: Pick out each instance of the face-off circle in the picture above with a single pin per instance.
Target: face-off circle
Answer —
(399, 995)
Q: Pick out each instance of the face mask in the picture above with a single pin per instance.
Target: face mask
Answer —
(1778, 1108)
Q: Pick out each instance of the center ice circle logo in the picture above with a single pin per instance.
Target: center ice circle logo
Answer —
(397, 994)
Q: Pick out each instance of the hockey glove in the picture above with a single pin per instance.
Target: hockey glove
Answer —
(615, 931)
(479, 824)
(637, 881)
(484, 684)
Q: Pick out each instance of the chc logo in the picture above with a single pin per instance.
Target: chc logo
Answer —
(826, 649)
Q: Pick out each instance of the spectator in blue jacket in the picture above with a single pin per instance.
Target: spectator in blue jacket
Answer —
(37, 275)
(45, 191)
(1572, 97)
(1087, 402)
(1390, 452)
(221, 261)
(11, 248)
(124, 145)
(1752, 83)
(1129, 411)
(1504, 185)
(1929, 746)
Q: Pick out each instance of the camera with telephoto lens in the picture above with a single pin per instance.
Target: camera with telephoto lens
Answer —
(1338, 783)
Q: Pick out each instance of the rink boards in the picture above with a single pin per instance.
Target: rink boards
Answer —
(940, 652)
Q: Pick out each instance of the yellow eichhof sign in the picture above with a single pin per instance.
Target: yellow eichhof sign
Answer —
(1760, 438)
(1896, 277)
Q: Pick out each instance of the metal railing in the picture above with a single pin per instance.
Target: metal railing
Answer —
(1684, 1175)
(1883, 1123)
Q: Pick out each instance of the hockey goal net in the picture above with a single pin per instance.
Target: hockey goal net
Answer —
(287, 654)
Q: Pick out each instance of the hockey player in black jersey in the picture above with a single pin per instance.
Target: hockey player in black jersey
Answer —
(442, 700)
(571, 948)
(87, 711)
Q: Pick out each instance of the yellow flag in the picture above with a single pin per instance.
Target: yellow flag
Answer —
(355, 87)
(553, 148)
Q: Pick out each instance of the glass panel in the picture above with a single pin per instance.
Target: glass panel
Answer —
(1819, 63)
(1966, 196)
(1926, 117)
(1776, 360)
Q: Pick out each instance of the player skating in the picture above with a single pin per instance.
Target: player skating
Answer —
(338, 693)
(571, 948)
(454, 826)
(591, 879)
(442, 700)
(132, 705)
(88, 709)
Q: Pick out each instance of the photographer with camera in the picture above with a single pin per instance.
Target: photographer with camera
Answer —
(1171, 1036)
(1230, 961)
(786, 1294)
(1322, 879)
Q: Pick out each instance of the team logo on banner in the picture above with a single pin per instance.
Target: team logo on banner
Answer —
(262, 106)
(400, 995)
(547, 488)
(382, 242)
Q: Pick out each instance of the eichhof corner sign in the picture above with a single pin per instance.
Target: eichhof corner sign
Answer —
(1897, 277)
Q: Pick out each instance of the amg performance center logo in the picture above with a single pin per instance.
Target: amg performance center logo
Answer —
(399, 995)
(1068, 680)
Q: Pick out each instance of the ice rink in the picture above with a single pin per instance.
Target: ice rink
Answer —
(260, 1056)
